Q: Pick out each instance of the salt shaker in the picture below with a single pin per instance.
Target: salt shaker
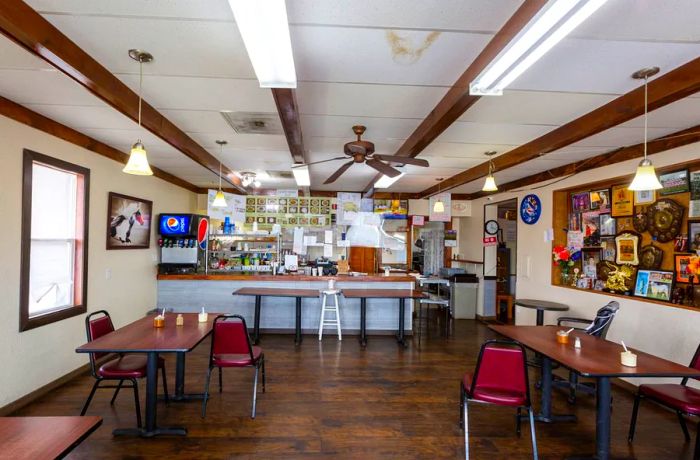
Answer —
(577, 343)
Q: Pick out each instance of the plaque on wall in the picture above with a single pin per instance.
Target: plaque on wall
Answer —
(664, 219)
(650, 257)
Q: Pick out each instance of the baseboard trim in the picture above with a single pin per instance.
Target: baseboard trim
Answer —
(485, 319)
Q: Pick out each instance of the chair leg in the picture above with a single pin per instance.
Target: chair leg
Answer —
(116, 392)
(206, 392)
(89, 399)
(165, 386)
(137, 402)
(573, 386)
(255, 389)
(461, 404)
(684, 427)
(337, 316)
(517, 421)
(262, 359)
(532, 433)
(696, 455)
(221, 382)
(633, 421)
(323, 315)
(465, 416)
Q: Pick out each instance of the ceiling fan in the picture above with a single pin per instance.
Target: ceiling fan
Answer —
(363, 152)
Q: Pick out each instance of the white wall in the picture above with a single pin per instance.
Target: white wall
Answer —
(36, 357)
(664, 331)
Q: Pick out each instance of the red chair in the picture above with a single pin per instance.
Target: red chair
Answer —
(500, 378)
(681, 398)
(231, 347)
(120, 368)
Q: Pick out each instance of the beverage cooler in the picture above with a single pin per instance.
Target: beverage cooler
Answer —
(183, 243)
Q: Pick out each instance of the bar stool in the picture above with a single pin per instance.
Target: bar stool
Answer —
(335, 308)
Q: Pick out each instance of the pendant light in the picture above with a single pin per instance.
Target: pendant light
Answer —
(439, 206)
(220, 199)
(645, 178)
(138, 160)
(490, 182)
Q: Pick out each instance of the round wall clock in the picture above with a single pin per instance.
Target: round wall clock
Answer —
(491, 227)
(530, 209)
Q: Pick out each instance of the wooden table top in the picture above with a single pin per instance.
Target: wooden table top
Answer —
(596, 358)
(278, 292)
(541, 304)
(141, 336)
(384, 294)
(43, 437)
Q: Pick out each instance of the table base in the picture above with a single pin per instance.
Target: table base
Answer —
(182, 398)
(170, 431)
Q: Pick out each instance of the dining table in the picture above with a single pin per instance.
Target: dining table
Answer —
(30, 438)
(259, 293)
(400, 294)
(597, 358)
(142, 336)
(541, 306)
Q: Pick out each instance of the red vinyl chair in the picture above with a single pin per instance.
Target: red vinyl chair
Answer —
(684, 400)
(231, 347)
(500, 378)
(120, 368)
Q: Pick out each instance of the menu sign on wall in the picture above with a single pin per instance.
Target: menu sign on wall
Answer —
(288, 211)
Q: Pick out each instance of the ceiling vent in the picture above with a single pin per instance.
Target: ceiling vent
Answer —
(280, 174)
(253, 122)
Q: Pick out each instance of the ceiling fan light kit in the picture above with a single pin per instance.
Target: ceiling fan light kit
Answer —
(645, 178)
(138, 158)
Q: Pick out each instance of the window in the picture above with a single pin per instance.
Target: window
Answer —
(53, 282)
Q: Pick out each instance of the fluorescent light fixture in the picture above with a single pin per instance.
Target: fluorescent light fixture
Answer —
(386, 181)
(556, 20)
(265, 30)
(301, 175)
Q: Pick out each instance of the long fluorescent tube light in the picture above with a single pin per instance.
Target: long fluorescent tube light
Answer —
(386, 181)
(301, 175)
(543, 32)
(265, 30)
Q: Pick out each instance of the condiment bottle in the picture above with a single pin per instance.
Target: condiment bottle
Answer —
(203, 316)
(179, 321)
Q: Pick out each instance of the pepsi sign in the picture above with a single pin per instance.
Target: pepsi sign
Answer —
(174, 224)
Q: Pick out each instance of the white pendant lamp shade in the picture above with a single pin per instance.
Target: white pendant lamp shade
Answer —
(219, 200)
(490, 184)
(439, 207)
(138, 162)
(645, 178)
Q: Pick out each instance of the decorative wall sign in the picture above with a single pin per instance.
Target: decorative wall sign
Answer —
(650, 257)
(664, 219)
(289, 211)
(681, 262)
(580, 202)
(654, 284)
(627, 248)
(622, 201)
(694, 236)
(128, 222)
(531, 209)
(674, 182)
(644, 197)
(694, 204)
(640, 220)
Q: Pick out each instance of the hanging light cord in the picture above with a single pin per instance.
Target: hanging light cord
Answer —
(220, 175)
(646, 105)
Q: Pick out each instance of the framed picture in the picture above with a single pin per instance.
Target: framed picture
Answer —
(680, 244)
(654, 284)
(600, 200)
(607, 225)
(674, 182)
(584, 283)
(589, 262)
(622, 201)
(575, 221)
(644, 197)
(128, 222)
(607, 249)
(627, 248)
(694, 236)
(681, 262)
(580, 202)
(590, 228)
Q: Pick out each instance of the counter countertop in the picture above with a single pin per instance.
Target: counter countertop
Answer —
(261, 277)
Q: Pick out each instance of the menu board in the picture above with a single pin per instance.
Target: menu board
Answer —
(289, 211)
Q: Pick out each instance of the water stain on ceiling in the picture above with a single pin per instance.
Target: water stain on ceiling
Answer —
(407, 48)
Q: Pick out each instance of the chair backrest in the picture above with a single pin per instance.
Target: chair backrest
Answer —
(502, 365)
(603, 319)
(97, 324)
(230, 336)
(694, 363)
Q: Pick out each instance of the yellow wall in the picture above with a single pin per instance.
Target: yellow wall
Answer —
(34, 358)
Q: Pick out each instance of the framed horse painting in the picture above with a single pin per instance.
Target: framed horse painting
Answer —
(128, 222)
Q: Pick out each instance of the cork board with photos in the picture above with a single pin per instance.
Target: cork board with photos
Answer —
(642, 242)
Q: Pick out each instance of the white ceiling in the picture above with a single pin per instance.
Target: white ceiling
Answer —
(351, 71)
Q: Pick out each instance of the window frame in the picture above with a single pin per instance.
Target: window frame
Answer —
(80, 261)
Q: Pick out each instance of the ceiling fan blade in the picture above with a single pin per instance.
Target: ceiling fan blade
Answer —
(402, 160)
(317, 162)
(382, 167)
(339, 172)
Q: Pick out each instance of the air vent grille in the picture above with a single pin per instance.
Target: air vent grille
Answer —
(253, 122)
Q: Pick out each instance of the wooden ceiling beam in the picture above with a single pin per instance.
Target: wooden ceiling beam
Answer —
(288, 110)
(457, 100)
(23, 115)
(666, 89)
(661, 144)
(23, 25)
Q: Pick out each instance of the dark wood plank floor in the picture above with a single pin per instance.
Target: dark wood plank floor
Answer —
(334, 400)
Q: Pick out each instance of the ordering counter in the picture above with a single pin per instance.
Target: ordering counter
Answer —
(214, 292)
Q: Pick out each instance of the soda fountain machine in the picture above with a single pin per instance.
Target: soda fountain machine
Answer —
(183, 243)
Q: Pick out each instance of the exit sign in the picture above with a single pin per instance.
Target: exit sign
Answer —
(490, 241)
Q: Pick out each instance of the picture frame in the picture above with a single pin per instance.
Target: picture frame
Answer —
(627, 248)
(644, 197)
(622, 201)
(580, 202)
(600, 200)
(575, 221)
(680, 262)
(128, 222)
(693, 235)
(607, 225)
(654, 284)
(607, 251)
(590, 226)
(674, 182)
(589, 262)
(584, 283)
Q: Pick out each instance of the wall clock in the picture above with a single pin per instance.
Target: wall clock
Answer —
(530, 209)
(491, 227)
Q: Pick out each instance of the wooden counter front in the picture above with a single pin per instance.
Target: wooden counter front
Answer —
(261, 277)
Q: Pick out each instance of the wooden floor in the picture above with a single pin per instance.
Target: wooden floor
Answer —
(334, 400)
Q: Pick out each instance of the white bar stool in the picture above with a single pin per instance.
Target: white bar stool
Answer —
(325, 307)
